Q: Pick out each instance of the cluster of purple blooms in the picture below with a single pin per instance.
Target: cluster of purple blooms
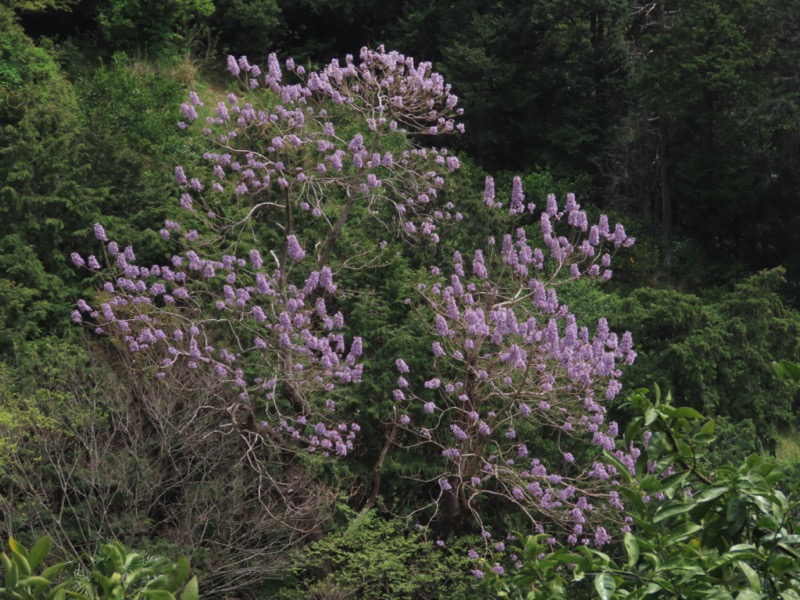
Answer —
(272, 154)
(510, 357)
(284, 331)
(286, 342)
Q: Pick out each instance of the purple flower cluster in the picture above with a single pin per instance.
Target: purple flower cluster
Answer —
(286, 339)
(510, 357)
(387, 91)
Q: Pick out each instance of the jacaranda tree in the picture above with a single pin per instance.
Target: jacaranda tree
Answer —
(240, 316)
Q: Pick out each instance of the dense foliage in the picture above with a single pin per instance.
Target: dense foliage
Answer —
(729, 533)
(115, 573)
(343, 361)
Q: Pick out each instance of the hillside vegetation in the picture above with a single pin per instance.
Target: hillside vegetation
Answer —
(515, 317)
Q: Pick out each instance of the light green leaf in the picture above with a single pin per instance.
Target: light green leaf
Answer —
(23, 567)
(682, 532)
(752, 576)
(712, 492)
(17, 548)
(632, 548)
(674, 479)
(59, 592)
(787, 370)
(623, 470)
(12, 574)
(51, 572)
(605, 585)
(634, 499)
(33, 580)
(158, 595)
(763, 503)
(190, 592)
(686, 412)
(670, 510)
(708, 428)
(39, 551)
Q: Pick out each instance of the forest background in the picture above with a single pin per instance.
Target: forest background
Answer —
(679, 118)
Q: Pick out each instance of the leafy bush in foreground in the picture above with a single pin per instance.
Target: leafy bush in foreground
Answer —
(117, 573)
(727, 534)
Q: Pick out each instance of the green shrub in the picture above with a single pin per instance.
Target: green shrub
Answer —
(695, 534)
(380, 559)
(116, 573)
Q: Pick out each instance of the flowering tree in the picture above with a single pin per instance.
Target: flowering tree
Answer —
(236, 324)
(262, 326)
(510, 363)
(245, 300)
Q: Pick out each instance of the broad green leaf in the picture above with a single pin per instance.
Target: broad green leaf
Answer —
(652, 588)
(60, 591)
(104, 582)
(708, 428)
(17, 548)
(190, 592)
(173, 580)
(22, 564)
(51, 572)
(768, 522)
(587, 554)
(653, 559)
(748, 595)
(712, 492)
(780, 563)
(774, 477)
(158, 595)
(787, 370)
(752, 576)
(33, 580)
(603, 556)
(673, 480)
(6, 566)
(781, 536)
(788, 549)
(670, 510)
(128, 560)
(686, 412)
(685, 450)
(736, 513)
(567, 558)
(682, 563)
(60, 595)
(39, 551)
(667, 410)
(634, 500)
(763, 503)
(649, 484)
(605, 585)
(682, 532)
(639, 399)
(623, 470)
(650, 415)
(742, 548)
(181, 569)
(632, 548)
(703, 439)
(12, 573)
